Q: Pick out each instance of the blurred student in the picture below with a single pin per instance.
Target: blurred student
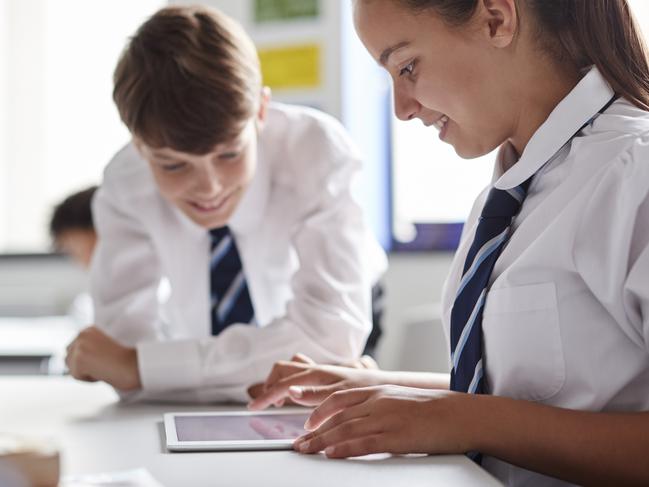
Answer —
(73, 234)
(244, 206)
(72, 229)
(547, 302)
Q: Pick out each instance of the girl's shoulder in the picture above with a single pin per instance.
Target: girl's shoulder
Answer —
(618, 137)
(623, 119)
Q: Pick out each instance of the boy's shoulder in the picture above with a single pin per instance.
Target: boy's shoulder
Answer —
(289, 114)
(127, 174)
(295, 133)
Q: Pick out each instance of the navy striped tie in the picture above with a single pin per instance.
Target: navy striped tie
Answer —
(466, 316)
(230, 298)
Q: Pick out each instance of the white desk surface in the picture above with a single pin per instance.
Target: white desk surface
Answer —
(98, 434)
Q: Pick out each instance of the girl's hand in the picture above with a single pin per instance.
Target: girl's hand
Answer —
(304, 382)
(391, 419)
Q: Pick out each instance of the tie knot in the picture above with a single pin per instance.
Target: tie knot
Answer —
(505, 203)
(218, 234)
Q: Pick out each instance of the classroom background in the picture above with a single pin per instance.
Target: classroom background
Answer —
(59, 128)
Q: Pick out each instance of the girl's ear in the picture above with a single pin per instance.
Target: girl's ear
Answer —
(498, 21)
(264, 101)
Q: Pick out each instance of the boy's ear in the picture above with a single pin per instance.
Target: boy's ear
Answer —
(264, 101)
(499, 21)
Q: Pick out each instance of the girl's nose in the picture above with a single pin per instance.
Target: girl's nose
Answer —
(405, 106)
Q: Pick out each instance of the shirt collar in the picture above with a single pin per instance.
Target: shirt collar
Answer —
(576, 109)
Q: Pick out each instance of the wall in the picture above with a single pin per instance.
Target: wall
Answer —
(4, 185)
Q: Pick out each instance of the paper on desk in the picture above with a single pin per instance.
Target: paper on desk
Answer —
(128, 478)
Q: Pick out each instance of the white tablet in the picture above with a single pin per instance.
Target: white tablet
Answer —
(234, 430)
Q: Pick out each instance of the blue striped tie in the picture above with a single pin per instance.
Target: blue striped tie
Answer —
(230, 298)
(466, 316)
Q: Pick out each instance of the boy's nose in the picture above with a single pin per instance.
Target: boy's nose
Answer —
(208, 185)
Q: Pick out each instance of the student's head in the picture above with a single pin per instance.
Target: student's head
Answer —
(484, 63)
(188, 87)
(71, 226)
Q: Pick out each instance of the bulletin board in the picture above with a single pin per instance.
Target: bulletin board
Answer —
(291, 67)
(282, 10)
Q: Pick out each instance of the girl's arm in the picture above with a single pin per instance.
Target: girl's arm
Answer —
(580, 447)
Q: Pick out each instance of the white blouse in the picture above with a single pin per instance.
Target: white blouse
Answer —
(566, 319)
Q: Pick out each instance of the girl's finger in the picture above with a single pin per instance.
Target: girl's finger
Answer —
(280, 389)
(281, 370)
(312, 395)
(342, 433)
(366, 445)
(336, 403)
(301, 358)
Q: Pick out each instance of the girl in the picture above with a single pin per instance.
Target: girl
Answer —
(547, 301)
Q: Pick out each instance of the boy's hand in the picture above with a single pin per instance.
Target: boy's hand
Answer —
(94, 356)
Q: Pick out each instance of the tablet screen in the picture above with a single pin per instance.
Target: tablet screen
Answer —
(240, 427)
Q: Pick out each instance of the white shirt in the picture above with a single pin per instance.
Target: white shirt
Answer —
(309, 258)
(566, 319)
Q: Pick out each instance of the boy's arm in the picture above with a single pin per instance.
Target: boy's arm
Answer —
(125, 272)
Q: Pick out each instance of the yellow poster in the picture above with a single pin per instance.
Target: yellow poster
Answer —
(291, 67)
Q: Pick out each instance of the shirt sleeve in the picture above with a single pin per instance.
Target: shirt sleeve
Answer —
(125, 272)
(329, 316)
(611, 248)
(636, 287)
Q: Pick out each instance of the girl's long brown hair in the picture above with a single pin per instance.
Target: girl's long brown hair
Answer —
(603, 33)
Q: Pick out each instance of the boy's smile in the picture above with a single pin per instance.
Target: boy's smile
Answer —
(207, 188)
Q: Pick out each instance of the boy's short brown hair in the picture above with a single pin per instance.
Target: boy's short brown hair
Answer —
(189, 79)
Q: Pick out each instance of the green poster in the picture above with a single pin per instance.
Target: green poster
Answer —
(279, 10)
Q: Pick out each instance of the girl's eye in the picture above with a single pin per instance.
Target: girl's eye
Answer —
(407, 70)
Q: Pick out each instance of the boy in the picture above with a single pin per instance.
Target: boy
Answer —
(243, 206)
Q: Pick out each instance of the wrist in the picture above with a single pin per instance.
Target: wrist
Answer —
(132, 372)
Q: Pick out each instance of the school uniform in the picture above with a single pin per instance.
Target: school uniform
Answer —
(566, 315)
(307, 254)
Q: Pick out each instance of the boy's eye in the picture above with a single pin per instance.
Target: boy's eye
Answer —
(229, 155)
(174, 167)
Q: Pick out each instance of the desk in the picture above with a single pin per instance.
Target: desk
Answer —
(96, 434)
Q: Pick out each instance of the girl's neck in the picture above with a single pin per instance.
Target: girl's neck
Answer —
(542, 87)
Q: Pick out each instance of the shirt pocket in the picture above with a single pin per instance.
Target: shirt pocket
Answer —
(522, 342)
